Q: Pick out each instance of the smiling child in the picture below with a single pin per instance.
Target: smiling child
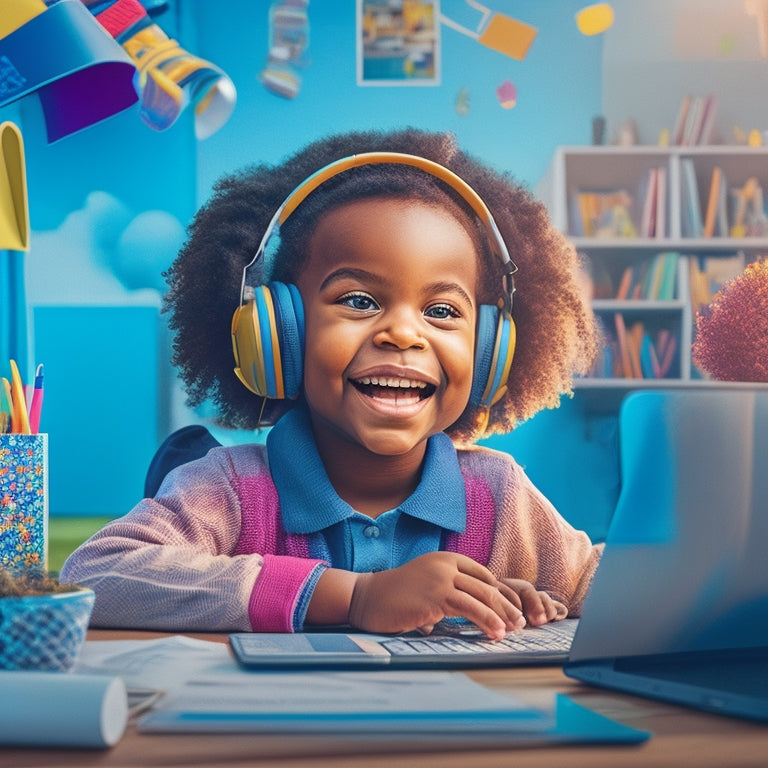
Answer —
(403, 301)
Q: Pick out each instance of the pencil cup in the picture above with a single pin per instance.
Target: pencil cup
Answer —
(23, 501)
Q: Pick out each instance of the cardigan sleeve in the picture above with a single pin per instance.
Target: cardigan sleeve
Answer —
(532, 540)
(172, 564)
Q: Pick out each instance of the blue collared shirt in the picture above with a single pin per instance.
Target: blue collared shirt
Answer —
(348, 539)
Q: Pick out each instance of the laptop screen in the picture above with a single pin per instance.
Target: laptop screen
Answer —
(685, 566)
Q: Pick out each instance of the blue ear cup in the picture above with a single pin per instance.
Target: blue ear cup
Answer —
(494, 350)
(289, 317)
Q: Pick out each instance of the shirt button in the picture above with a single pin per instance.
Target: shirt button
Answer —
(371, 532)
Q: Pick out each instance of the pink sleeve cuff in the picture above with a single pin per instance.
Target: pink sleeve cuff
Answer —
(278, 591)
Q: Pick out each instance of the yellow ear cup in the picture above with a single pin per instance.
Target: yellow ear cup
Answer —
(246, 345)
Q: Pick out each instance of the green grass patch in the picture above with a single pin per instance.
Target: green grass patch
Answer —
(66, 534)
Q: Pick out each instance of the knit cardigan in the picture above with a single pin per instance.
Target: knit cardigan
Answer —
(209, 552)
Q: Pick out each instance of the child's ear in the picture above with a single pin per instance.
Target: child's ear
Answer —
(268, 341)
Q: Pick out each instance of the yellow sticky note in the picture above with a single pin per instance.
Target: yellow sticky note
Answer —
(594, 19)
(508, 36)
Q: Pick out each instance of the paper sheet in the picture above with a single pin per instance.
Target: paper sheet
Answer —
(206, 689)
(203, 684)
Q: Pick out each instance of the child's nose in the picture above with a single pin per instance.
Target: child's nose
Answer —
(401, 328)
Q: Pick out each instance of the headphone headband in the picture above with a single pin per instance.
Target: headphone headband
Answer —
(468, 194)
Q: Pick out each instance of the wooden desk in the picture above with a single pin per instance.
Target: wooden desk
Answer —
(681, 738)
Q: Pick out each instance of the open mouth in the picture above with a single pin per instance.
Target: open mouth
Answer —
(393, 388)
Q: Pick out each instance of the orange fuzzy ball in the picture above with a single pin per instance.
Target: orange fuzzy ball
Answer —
(732, 332)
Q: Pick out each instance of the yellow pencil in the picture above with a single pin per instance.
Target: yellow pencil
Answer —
(20, 415)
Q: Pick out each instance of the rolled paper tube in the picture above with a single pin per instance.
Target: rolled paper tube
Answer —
(59, 709)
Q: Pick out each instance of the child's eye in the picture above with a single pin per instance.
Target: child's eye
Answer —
(442, 312)
(360, 301)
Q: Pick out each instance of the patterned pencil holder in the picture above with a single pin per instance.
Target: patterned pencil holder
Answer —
(23, 501)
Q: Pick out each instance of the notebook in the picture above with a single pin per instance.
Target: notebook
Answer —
(678, 609)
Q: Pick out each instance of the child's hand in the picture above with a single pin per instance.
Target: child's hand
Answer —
(430, 587)
(537, 606)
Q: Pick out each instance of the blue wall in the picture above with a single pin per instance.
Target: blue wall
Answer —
(88, 189)
(558, 86)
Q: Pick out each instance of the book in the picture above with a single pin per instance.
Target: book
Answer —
(625, 364)
(692, 225)
(661, 202)
(648, 217)
(655, 274)
(653, 279)
(637, 352)
(647, 357)
(625, 283)
(706, 134)
(692, 121)
(635, 336)
(721, 224)
(663, 353)
(713, 200)
(668, 285)
(679, 130)
(699, 121)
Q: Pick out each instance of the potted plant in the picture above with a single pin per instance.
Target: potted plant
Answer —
(42, 622)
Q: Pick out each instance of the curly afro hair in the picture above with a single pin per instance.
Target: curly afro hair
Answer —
(557, 336)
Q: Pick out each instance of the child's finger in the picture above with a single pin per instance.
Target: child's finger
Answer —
(489, 599)
(472, 568)
(538, 607)
(511, 595)
(479, 614)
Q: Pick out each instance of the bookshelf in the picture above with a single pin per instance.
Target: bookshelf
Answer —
(599, 197)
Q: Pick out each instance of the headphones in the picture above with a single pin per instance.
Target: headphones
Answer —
(268, 326)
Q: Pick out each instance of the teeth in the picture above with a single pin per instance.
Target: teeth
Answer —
(391, 381)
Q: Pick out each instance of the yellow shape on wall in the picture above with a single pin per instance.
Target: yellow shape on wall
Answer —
(594, 19)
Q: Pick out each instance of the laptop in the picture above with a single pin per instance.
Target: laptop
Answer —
(454, 643)
(682, 588)
(678, 610)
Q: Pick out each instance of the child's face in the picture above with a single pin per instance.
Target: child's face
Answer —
(389, 291)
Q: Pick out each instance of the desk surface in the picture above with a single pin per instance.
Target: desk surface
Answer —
(681, 737)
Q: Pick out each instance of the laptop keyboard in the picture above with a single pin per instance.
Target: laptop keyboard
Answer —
(551, 638)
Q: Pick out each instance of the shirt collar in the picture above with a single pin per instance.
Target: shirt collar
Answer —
(309, 503)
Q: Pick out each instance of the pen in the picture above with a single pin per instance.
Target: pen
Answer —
(37, 401)
(6, 409)
(11, 425)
